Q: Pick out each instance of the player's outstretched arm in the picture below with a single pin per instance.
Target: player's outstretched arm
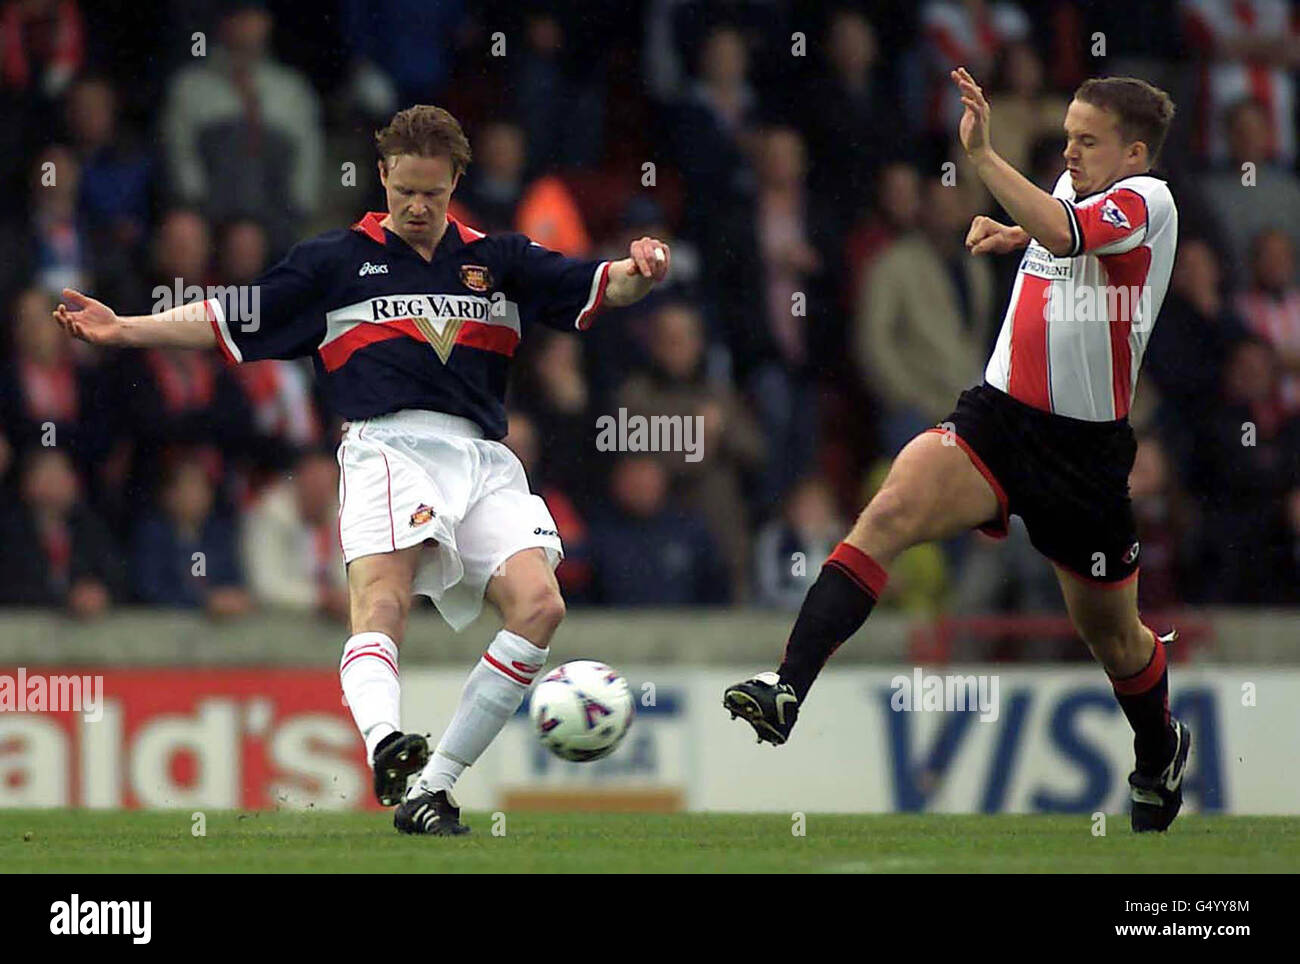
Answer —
(1040, 215)
(631, 279)
(987, 236)
(185, 326)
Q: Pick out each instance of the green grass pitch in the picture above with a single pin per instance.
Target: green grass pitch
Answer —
(36, 841)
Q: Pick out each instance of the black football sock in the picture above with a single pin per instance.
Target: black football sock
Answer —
(1144, 697)
(837, 604)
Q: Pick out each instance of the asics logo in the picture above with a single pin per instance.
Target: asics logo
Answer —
(369, 268)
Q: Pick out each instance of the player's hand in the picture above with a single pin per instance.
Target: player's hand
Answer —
(987, 236)
(649, 258)
(93, 321)
(974, 127)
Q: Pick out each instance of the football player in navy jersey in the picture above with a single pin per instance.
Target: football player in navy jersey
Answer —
(411, 319)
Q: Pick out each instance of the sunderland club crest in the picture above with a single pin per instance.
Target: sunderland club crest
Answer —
(476, 277)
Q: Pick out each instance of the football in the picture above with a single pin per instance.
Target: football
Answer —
(582, 710)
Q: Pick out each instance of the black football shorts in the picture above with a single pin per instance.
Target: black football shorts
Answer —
(1065, 477)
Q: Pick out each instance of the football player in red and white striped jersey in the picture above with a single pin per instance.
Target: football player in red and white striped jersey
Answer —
(1047, 436)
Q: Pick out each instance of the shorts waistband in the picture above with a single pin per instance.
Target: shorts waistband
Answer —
(420, 421)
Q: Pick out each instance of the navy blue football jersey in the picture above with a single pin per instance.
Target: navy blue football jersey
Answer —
(388, 330)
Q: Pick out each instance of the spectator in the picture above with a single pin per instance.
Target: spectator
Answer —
(495, 196)
(44, 397)
(553, 391)
(712, 135)
(561, 112)
(1162, 524)
(54, 551)
(173, 396)
(115, 176)
(780, 376)
(896, 207)
(278, 393)
(968, 33)
(549, 215)
(646, 551)
(731, 446)
(238, 102)
(789, 551)
(1246, 461)
(1026, 111)
(47, 249)
(1246, 201)
(574, 571)
(1003, 576)
(1192, 340)
(242, 251)
(488, 196)
(290, 546)
(392, 39)
(615, 348)
(185, 553)
(924, 317)
(42, 46)
(856, 126)
(1271, 307)
(1244, 45)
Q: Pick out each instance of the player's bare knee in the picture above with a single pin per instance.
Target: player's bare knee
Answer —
(378, 607)
(538, 615)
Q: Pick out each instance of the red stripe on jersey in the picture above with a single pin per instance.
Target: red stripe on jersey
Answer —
(1097, 231)
(1028, 378)
(1127, 271)
(338, 351)
(497, 338)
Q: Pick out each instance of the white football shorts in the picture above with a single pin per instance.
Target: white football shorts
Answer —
(414, 477)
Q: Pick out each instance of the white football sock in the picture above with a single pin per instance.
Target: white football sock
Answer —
(368, 672)
(492, 693)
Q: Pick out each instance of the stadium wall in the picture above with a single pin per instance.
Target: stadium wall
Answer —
(1048, 740)
(653, 637)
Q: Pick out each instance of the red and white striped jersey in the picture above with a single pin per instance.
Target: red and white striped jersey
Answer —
(1076, 326)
